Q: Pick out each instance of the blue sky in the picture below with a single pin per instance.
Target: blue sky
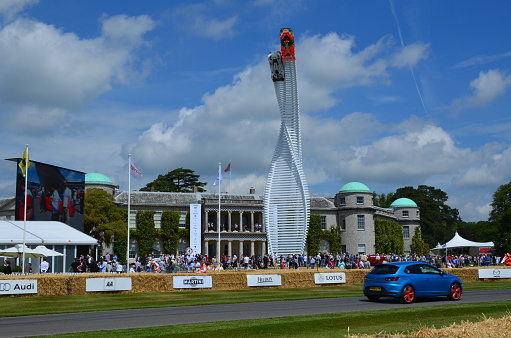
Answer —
(392, 93)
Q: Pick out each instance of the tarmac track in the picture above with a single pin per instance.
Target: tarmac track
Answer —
(140, 318)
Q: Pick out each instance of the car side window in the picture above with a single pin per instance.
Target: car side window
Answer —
(413, 269)
(427, 269)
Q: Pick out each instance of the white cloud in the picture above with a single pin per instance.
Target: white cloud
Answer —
(485, 89)
(410, 55)
(50, 71)
(197, 19)
(9, 8)
(488, 86)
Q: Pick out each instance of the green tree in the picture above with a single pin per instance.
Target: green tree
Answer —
(170, 231)
(481, 231)
(146, 232)
(103, 220)
(314, 234)
(388, 237)
(382, 200)
(500, 219)
(177, 180)
(438, 220)
(419, 247)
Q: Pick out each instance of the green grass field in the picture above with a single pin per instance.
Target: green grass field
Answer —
(332, 325)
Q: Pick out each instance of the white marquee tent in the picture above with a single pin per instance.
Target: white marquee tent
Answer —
(54, 235)
(459, 242)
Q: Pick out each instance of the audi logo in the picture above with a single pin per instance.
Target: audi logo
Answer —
(5, 287)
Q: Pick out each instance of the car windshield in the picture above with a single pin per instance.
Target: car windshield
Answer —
(382, 269)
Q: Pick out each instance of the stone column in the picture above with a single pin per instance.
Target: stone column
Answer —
(229, 221)
(252, 248)
(241, 250)
(206, 248)
(263, 247)
(251, 221)
(229, 248)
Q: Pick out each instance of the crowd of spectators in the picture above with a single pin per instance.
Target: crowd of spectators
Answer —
(203, 263)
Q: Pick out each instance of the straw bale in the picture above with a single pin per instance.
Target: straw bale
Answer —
(488, 328)
(74, 284)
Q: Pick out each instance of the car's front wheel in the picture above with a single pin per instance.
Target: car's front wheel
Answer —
(408, 294)
(455, 292)
(373, 298)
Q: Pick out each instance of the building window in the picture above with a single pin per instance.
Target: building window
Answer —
(406, 232)
(343, 224)
(361, 248)
(417, 213)
(324, 246)
(343, 248)
(405, 213)
(360, 199)
(323, 222)
(182, 219)
(361, 222)
(342, 201)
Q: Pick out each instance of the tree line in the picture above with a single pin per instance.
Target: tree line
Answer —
(105, 221)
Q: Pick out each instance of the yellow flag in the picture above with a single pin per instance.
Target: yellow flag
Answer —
(24, 163)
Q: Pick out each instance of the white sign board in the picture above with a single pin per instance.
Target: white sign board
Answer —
(18, 287)
(195, 228)
(264, 280)
(330, 278)
(192, 282)
(108, 284)
(494, 273)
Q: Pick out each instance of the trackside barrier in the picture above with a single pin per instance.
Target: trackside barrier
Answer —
(76, 284)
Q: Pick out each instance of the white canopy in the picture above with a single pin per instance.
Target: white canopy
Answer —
(459, 242)
(42, 233)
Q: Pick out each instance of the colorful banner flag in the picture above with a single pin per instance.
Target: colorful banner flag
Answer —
(25, 162)
(135, 172)
(228, 168)
(219, 179)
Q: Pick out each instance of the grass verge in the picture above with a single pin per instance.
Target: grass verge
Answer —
(26, 306)
(403, 320)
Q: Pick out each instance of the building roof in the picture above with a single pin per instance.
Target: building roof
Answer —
(403, 202)
(42, 232)
(97, 178)
(354, 187)
(321, 203)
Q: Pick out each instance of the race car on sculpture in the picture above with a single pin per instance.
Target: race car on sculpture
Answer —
(276, 66)
(287, 44)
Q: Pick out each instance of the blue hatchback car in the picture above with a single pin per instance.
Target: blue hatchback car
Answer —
(406, 281)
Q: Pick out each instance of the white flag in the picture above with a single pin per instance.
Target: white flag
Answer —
(135, 172)
(218, 179)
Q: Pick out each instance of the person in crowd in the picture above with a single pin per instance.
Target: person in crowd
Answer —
(76, 265)
(103, 266)
(7, 267)
(45, 266)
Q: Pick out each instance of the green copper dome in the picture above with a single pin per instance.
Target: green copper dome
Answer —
(97, 178)
(354, 187)
(403, 202)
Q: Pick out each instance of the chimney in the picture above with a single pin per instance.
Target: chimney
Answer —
(252, 191)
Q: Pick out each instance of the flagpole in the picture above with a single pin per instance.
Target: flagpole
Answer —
(25, 211)
(129, 213)
(219, 258)
(230, 173)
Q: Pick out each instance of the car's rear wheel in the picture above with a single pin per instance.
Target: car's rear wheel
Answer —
(408, 294)
(455, 292)
(373, 298)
